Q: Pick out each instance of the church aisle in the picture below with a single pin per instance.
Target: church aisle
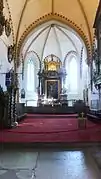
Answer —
(49, 164)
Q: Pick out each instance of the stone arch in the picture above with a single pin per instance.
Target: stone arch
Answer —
(59, 18)
(74, 53)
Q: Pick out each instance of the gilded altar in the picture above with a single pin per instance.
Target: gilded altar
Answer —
(50, 77)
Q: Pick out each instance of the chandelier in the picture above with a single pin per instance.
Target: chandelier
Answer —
(4, 23)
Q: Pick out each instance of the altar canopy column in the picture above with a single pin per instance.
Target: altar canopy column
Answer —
(62, 74)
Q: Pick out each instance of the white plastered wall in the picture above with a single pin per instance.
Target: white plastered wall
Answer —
(29, 95)
(60, 41)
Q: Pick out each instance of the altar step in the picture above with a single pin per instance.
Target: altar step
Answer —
(48, 116)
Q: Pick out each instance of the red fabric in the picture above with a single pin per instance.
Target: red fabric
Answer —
(52, 130)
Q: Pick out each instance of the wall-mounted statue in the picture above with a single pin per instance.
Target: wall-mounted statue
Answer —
(7, 28)
(10, 53)
(9, 78)
(23, 93)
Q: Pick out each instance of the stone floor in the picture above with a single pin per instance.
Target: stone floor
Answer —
(50, 164)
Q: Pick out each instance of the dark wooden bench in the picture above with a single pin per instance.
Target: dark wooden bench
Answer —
(20, 109)
(95, 117)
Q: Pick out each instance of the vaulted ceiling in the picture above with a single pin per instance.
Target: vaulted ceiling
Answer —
(25, 14)
(53, 38)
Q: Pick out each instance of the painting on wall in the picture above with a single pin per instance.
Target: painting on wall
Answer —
(52, 88)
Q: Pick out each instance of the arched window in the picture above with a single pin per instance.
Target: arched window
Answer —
(30, 76)
(73, 74)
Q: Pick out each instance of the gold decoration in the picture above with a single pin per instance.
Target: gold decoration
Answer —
(1, 5)
(2, 18)
(10, 53)
(3, 22)
(52, 63)
(7, 28)
(1, 29)
(52, 66)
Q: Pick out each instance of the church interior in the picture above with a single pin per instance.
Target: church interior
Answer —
(50, 85)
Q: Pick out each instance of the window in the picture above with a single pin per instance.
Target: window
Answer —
(30, 75)
(73, 74)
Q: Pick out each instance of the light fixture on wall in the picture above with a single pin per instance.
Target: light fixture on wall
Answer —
(4, 23)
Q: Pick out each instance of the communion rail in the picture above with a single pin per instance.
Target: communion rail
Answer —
(34, 103)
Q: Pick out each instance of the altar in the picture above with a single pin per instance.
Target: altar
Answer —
(50, 81)
(52, 88)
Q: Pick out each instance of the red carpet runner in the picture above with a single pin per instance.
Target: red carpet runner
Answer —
(46, 129)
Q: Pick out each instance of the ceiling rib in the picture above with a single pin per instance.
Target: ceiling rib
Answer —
(1, 39)
(86, 20)
(33, 52)
(36, 38)
(20, 20)
(58, 42)
(67, 37)
(52, 6)
(47, 35)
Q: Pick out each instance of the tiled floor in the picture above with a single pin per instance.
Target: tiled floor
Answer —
(48, 164)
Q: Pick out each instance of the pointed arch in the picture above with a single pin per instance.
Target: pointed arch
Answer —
(31, 68)
(59, 18)
(30, 75)
(73, 74)
(71, 66)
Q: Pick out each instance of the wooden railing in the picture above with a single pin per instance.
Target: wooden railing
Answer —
(94, 105)
(68, 102)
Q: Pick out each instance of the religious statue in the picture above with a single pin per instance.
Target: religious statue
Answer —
(23, 93)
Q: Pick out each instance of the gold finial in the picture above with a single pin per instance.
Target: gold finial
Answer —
(82, 115)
